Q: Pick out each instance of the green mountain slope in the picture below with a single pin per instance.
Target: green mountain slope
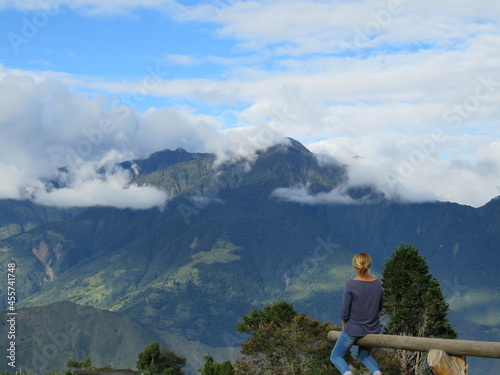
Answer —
(20, 216)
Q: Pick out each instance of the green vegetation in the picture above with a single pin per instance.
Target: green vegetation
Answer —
(213, 368)
(156, 361)
(284, 342)
(278, 313)
(84, 364)
(414, 303)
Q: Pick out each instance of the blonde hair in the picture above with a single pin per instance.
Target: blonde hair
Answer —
(362, 262)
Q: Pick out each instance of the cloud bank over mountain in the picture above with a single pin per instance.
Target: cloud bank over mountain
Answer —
(47, 126)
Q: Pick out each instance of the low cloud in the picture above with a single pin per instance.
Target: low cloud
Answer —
(304, 196)
(87, 188)
(403, 170)
(46, 126)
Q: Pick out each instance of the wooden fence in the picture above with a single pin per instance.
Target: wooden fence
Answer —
(445, 356)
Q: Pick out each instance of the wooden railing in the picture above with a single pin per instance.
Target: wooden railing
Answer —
(446, 357)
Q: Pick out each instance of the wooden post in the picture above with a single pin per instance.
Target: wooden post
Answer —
(443, 364)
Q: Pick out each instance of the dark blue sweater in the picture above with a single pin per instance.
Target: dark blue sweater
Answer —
(361, 307)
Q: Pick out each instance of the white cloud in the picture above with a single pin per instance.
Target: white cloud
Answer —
(184, 60)
(45, 126)
(411, 169)
(12, 179)
(302, 27)
(86, 188)
(243, 143)
(302, 195)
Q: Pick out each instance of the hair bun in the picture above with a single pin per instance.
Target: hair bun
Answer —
(362, 261)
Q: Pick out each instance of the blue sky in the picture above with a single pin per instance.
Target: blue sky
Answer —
(113, 46)
(404, 93)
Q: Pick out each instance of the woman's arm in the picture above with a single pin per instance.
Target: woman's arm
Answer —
(345, 310)
(381, 303)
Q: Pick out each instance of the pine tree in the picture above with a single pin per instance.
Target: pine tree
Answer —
(414, 303)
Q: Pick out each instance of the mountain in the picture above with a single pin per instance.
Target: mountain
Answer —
(282, 165)
(53, 334)
(226, 244)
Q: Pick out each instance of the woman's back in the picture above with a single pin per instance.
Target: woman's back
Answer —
(361, 306)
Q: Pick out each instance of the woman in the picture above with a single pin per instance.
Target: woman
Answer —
(360, 310)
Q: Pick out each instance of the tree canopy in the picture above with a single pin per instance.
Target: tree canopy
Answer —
(283, 342)
(213, 368)
(279, 312)
(156, 361)
(414, 302)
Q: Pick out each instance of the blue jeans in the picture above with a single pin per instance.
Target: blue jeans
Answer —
(341, 348)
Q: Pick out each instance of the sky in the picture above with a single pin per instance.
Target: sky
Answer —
(406, 94)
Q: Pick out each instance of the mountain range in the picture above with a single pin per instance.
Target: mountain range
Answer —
(233, 237)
